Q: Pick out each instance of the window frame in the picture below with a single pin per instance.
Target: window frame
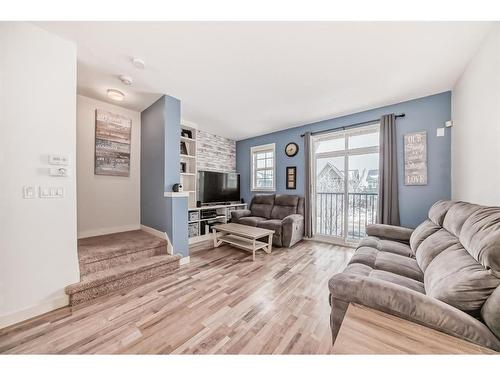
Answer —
(270, 147)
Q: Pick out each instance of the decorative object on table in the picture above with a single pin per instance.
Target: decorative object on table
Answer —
(183, 167)
(177, 188)
(291, 149)
(184, 150)
(186, 133)
(291, 177)
(113, 135)
(415, 158)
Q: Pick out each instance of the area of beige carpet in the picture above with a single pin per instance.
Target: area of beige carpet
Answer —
(119, 260)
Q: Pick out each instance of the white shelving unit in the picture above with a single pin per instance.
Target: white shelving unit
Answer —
(189, 176)
(198, 226)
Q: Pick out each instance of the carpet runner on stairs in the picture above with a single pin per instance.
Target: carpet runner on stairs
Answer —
(119, 260)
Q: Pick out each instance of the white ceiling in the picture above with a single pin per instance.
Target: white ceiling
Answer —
(241, 79)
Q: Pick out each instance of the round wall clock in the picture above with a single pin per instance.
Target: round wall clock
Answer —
(291, 149)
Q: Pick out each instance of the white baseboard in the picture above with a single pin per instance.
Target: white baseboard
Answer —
(41, 308)
(184, 260)
(160, 234)
(102, 231)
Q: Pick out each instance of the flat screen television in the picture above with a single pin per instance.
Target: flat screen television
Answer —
(218, 187)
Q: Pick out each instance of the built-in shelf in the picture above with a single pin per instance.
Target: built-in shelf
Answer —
(188, 177)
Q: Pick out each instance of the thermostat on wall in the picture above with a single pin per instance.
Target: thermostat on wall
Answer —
(59, 159)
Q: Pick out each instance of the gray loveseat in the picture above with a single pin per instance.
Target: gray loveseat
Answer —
(445, 274)
(279, 212)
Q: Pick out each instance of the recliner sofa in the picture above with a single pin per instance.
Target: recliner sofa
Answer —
(445, 274)
(282, 213)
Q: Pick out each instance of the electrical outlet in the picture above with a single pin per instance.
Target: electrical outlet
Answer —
(29, 192)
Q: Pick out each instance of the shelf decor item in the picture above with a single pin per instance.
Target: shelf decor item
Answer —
(184, 150)
(113, 135)
(291, 177)
(186, 133)
(183, 167)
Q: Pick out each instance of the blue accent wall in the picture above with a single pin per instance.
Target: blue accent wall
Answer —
(160, 158)
(428, 113)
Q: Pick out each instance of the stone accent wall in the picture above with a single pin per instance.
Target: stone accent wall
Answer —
(215, 153)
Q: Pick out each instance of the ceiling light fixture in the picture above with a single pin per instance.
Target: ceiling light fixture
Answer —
(138, 63)
(126, 80)
(116, 95)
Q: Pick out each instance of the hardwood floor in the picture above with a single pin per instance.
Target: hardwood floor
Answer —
(221, 302)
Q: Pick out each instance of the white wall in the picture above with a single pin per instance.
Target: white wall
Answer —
(106, 204)
(38, 242)
(476, 129)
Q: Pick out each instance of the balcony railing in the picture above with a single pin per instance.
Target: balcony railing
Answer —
(330, 217)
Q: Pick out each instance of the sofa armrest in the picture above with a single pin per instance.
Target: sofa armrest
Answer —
(293, 229)
(238, 214)
(407, 304)
(390, 232)
(295, 218)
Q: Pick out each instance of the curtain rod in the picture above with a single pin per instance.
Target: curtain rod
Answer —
(350, 126)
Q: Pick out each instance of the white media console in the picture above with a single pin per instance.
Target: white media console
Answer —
(199, 227)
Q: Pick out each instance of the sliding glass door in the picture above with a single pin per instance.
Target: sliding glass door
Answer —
(346, 182)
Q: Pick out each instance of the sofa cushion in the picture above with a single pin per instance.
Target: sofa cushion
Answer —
(363, 270)
(433, 245)
(272, 225)
(457, 215)
(262, 205)
(251, 220)
(490, 312)
(380, 260)
(387, 246)
(284, 205)
(438, 211)
(421, 232)
(456, 278)
(480, 235)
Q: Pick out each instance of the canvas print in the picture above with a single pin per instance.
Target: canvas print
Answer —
(415, 158)
(112, 144)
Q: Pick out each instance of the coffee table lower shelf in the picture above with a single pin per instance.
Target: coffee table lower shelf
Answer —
(243, 237)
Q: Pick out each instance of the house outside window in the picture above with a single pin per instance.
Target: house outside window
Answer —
(263, 160)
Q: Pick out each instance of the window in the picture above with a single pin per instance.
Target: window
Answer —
(263, 167)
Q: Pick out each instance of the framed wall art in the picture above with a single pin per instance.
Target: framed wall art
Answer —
(112, 144)
(291, 177)
(415, 148)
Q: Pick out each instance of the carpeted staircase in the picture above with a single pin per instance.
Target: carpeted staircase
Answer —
(119, 260)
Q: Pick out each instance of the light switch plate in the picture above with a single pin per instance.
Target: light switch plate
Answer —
(440, 132)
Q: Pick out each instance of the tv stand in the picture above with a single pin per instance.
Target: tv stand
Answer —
(199, 229)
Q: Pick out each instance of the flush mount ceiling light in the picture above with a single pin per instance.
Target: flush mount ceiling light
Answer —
(138, 63)
(126, 80)
(116, 95)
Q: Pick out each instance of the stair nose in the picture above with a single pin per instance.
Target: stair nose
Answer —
(125, 275)
(108, 251)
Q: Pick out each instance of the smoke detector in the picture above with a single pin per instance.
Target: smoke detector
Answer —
(126, 80)
(138, 63)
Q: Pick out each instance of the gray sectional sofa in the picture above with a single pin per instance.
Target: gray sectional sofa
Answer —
(445, 274)
(282, 213)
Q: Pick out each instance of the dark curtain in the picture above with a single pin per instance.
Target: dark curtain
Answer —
(308, 223)
(388, 203)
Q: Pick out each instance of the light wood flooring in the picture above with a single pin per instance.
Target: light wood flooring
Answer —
(221, 302)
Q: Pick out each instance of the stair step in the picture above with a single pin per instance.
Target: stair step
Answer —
(111, 250)
(131, 274)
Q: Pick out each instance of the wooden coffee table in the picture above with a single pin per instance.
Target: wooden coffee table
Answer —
(243, 236)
